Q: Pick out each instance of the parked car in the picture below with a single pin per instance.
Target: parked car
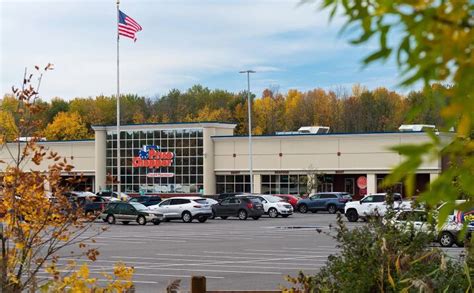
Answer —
(241, 207)
(413, 220)
(450, 232)
(273, 206)
(324, 201)
(212, 202)
(113, 195)
(184, 208)
(146, 200)
(373, 205)
(227, 195)
(127, 212)
(89, 202)
(289, 198)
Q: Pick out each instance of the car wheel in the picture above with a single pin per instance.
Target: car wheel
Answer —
(285, 216)
(273, 213)
(242, 215)
(111, 219)
(156, 222)
(446, 239)
(141, 220)
(186, 217)
(352, 215)
(332, 209)
(202, 219)
(256, 217)
(303, 209)
(125, 222)
(223, 217)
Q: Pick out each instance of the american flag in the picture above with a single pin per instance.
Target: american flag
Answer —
(127, 26)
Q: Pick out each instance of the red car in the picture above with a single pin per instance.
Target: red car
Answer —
(291, 199)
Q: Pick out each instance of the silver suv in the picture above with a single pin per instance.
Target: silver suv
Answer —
(184, 208)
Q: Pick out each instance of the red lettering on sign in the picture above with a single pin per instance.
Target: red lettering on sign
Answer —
(156, 159)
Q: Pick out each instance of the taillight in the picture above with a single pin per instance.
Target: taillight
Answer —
(197, 206)
(250, 205)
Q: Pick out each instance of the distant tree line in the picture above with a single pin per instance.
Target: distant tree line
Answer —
(356, 110)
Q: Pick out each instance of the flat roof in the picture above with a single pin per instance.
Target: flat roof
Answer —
(162, 125)
(330, 134)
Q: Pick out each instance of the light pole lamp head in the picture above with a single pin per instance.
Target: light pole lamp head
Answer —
(247, 71)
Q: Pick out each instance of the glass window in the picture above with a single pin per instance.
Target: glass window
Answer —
(171, 140)
(177, 201)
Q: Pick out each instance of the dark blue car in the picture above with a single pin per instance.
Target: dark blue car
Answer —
(324, 201)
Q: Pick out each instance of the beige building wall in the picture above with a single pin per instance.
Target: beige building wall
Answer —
(80, 154)
(348, 153)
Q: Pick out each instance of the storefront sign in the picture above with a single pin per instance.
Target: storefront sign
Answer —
(154, 175)
(362, 182)
(150, 156)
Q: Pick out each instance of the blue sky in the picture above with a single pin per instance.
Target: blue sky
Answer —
(183, 43)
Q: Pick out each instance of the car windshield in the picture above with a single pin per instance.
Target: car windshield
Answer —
(273, 198)
(138, 206)
(348, 196)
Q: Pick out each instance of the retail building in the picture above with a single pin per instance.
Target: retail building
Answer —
(207, 158)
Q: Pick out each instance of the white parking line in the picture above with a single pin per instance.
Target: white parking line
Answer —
(153, 266)
(296, 265)
(120, 239)
(283, 250)
(208, 256)
(108, 281)
(251, 254)
(159, 268)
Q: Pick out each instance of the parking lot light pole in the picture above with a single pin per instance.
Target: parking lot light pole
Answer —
(250, 126)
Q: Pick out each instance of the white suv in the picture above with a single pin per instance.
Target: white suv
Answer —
(184, 208)
(373, 205)
(273, 205)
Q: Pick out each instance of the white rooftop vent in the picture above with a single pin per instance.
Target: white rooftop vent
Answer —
(416, 127)
(314, 129)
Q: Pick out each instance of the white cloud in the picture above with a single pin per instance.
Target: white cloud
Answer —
(182, 43)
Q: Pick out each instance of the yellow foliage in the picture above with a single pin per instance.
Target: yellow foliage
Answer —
(37, 226)
(66, 126)
(79, 281)
(8, 128)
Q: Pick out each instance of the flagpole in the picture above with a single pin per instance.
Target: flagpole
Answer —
(118, 106)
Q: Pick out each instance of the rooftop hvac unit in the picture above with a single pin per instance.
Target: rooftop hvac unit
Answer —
(314, 129)
(416, 127)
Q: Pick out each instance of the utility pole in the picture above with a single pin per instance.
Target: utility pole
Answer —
(249, 102)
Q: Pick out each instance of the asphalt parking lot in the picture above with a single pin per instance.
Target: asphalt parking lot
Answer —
(232, 254)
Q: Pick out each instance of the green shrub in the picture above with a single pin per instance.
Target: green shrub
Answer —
(379, 257)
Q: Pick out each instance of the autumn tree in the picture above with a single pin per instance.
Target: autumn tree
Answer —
(8, 129)
(37, 225)
(55, 106)
(66, 126)
(296, 111)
